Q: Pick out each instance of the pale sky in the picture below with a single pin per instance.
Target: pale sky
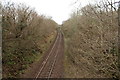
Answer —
(59, 10)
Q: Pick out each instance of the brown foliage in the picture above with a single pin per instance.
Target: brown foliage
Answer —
(91, 42)
(24, 34)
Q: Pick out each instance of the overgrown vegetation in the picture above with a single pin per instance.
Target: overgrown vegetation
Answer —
(26, 35)
(91, 36)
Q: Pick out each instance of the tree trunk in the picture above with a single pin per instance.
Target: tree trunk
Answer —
(119, 38)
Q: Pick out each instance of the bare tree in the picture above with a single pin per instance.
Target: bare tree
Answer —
(25, 36)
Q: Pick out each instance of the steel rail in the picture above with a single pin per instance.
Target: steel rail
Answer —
(44, 62)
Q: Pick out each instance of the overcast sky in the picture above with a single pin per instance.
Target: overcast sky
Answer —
(59, 10)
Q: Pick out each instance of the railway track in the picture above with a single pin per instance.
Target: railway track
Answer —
(50, 67)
